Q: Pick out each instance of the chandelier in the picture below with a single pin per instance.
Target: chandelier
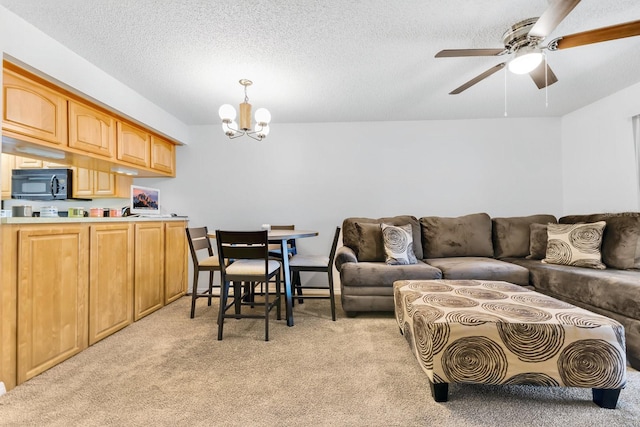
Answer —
(228, 115)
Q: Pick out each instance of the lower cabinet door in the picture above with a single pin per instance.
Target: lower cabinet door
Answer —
(148, 268)
(175, 257)
(52, 297)
(110, 279)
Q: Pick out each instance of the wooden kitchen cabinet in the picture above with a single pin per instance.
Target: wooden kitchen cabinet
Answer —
(33, 111)
(52, 295)
(133, 144)
(8, 163)
(28, 163)
(176, 261)
(163, 155)
(148, 282)
(38, 113)
(68, 285)
(110, 279)
(94, 184)
(91, 130)
(8, 306)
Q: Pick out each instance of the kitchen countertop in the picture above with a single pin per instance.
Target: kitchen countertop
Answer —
(66, 220)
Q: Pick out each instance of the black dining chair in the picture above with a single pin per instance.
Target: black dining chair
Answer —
(315, 263)
(244, 258)
(275, 250)
(203, 260)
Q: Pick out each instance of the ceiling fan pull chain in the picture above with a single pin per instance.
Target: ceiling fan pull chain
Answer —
(505, 91)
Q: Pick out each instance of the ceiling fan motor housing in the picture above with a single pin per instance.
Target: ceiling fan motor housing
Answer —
(517, 36)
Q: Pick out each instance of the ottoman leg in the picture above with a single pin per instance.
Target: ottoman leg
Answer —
(439, 391)
(606, 397)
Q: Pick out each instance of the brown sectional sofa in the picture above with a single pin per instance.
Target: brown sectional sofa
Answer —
(510, 249)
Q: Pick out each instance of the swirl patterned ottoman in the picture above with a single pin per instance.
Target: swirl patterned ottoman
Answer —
(489, 332)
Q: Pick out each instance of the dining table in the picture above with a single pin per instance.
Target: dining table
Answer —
(281, 237)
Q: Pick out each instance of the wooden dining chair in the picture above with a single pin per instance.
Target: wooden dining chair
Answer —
(244, 258)
(203, 260)
(315, 263)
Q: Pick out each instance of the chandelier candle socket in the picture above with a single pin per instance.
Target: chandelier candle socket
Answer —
(230, 127)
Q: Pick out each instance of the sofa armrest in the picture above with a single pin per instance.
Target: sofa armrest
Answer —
(344, 255)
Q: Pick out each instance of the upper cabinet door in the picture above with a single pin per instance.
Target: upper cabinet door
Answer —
(163, 155)
(133, 144)
(91, 130)
(33, 110)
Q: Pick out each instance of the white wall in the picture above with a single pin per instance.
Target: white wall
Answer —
(598, 155)
(315, 175)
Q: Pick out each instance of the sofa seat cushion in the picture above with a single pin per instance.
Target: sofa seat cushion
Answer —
(617, 291)
(380, 274)
(480, 268)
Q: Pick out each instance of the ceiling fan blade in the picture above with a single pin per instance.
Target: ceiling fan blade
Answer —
(551, 17)
(540, 79)
(620, 31)
(476, 79)
(450, 53)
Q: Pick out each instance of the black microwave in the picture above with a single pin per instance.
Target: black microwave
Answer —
(41, 184)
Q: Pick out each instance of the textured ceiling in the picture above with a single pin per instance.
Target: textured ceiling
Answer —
(335, 60)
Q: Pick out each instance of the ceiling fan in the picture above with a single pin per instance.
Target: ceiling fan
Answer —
(524, 40)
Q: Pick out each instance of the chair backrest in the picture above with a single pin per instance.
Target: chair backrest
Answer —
(334, 247)
(283, 227)
(235, 245)
(291, 243)
(198, 240)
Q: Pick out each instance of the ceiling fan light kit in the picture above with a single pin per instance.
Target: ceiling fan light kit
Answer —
(526, 60)
(228, 115)
(524, 40)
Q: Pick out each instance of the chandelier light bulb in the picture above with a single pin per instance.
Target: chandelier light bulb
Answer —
(263, 115)
(526, 60)
(227, 112)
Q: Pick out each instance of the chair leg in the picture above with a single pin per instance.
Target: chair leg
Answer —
(266, 313)
(210, 287)
(194, 292)
(224, 292)
(298, 287)
(331, 294)
(279, 297)
(237, 296)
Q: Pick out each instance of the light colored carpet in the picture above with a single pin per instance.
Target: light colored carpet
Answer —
(168, 369)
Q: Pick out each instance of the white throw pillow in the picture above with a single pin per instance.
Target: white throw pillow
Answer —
(398, 244)
(575, 244)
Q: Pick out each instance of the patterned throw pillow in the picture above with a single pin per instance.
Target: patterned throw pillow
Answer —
(575, 244)
(398, 244)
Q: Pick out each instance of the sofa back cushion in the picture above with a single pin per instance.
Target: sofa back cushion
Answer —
(468, 235)
(621, 239)
(366, 240)
(511, 236)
